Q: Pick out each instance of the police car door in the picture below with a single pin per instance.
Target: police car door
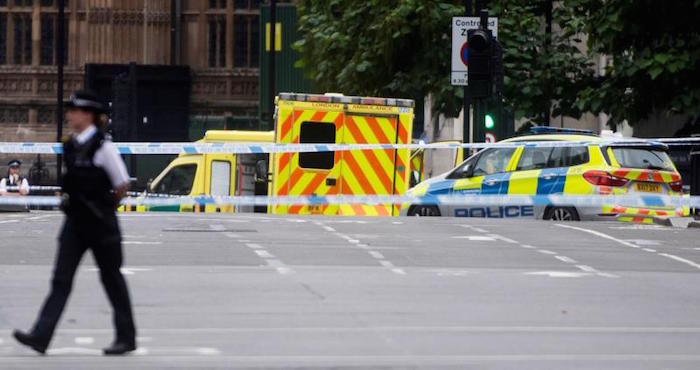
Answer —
(489, 175)
(533, 176)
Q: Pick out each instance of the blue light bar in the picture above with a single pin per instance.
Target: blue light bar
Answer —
(558, 130)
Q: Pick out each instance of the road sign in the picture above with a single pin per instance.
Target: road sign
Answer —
(460, 26)
(490, 137)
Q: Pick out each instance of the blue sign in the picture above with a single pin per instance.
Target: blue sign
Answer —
(464, 54)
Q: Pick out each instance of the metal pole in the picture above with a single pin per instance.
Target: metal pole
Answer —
(271, 67)
(172, 32)
(60, 56)
(175, 31)
(466, 113)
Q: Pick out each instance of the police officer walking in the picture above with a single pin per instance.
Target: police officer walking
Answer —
(95, 181)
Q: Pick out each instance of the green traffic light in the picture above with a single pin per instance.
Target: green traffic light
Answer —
(488, 122)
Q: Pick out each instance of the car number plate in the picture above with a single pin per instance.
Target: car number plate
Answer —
(649, 188)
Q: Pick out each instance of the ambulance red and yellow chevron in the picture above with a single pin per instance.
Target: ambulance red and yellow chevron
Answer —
(333, 119)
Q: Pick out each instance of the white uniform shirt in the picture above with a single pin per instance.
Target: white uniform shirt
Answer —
(106, 157)
(24, 185)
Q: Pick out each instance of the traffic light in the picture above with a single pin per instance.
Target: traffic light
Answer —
(489, 122)
(481, 69)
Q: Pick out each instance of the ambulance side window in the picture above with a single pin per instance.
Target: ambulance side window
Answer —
(317, 133)
(178, 181)
(220, 178)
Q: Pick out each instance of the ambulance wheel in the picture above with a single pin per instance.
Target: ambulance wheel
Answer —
(561, 214)
(424, 211)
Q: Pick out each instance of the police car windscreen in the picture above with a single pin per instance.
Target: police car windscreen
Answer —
(651, 159)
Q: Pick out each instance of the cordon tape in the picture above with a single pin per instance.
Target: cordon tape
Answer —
(261, 148)
(454, 199)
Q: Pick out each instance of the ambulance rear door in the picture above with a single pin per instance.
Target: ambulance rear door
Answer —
(313, 173)
(374, 172)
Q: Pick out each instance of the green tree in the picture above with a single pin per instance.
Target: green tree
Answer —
(402, 48)
(380, 47)
(655, 50)
(544, 65)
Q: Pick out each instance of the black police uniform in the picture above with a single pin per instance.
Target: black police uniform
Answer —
(12, 186)
(91, 223)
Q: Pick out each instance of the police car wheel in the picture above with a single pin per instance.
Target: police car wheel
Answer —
(424, 211)
(562, 214)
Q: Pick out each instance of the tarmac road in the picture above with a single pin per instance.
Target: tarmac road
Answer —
(257, 291)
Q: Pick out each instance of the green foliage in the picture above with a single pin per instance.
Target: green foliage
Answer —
(655, 50)
(401, 48)
(397, 48)
(543, 70)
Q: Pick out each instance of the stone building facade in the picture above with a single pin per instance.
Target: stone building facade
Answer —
(217, 39)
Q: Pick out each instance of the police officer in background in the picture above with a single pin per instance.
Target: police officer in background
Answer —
(95, 181)
(14, 183)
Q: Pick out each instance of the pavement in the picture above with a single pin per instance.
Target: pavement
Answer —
(263, 292)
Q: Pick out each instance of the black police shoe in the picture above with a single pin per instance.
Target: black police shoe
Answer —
(119, 348)
(31, 341)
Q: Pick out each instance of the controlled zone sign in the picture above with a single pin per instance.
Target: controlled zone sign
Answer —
(460, 57)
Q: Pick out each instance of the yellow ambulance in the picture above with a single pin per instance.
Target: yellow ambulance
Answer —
(303, 119)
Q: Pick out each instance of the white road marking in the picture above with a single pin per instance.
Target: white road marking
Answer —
(680, 259)
(398, 271)
(397, 223)
(8, 221)
(376, 255)
(503, 238)
(587, 268)
(544, 251)
(418, 328)
(628, 244)
(280, 266)
(144, 339)
(254, 246)
(649, 250)
(477, 229)
(560, 274)
(565, 259)
(475, 238)
(39, 217)
(75, 351)
(644, 241)
(84, 340)
(387, 264)
(264, 254)
(328, 228)
(453, 272)
(528, 246)
(123, 270)
(208, 351)
(137, 242)
(217, 227)
(232, 235)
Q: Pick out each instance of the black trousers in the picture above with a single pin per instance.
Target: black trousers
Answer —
(103, 238)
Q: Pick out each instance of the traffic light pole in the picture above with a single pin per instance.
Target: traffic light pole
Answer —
(60, 56)
(466, 113)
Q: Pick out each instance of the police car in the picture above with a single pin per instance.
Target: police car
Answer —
(597, 166)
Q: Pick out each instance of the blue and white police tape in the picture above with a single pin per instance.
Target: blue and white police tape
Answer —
(638, 201)
(260, 148)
